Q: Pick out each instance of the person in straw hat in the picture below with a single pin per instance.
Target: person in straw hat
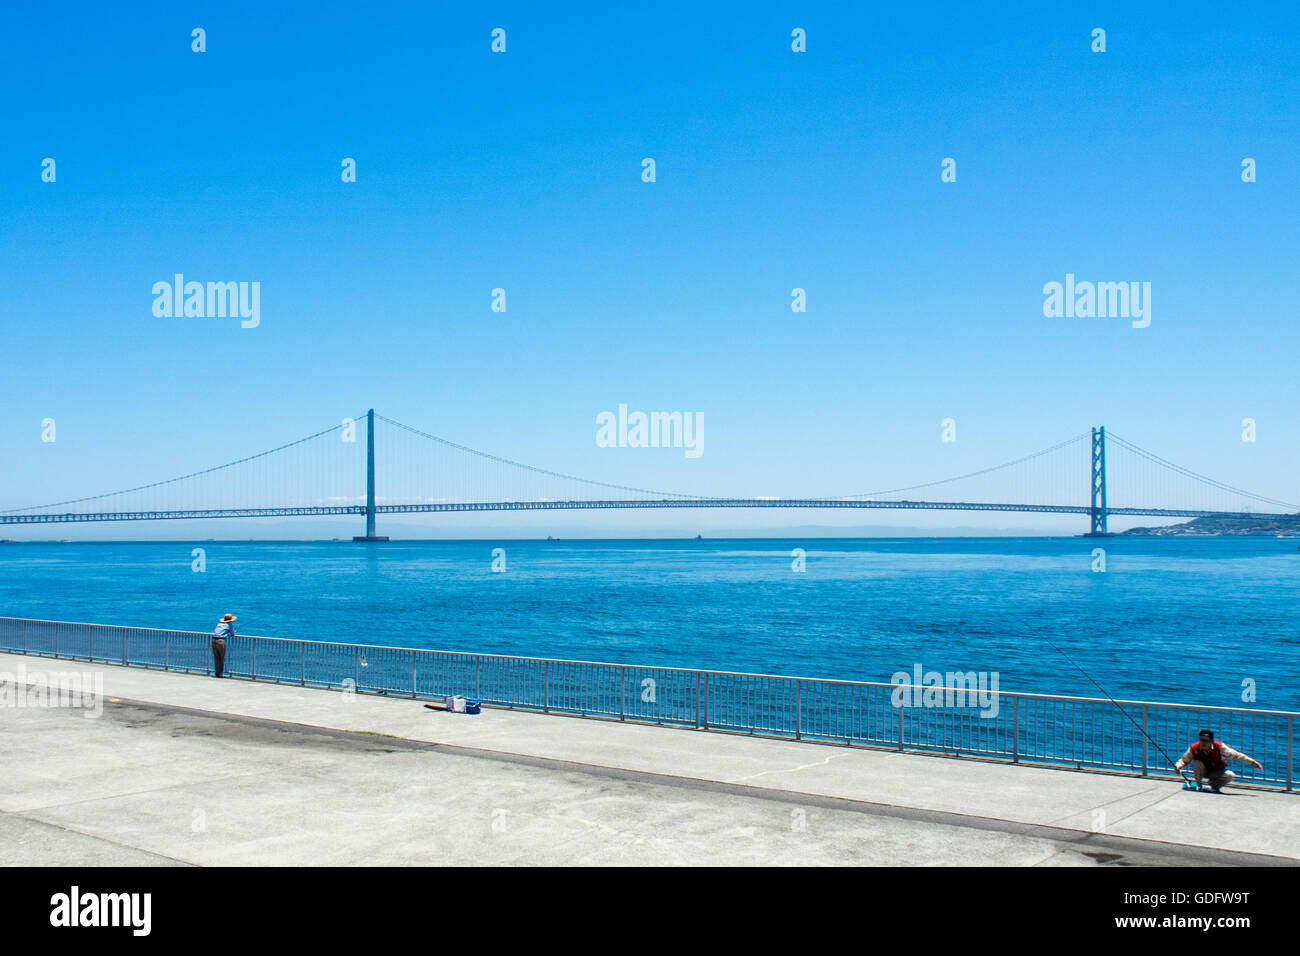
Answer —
(225, 629)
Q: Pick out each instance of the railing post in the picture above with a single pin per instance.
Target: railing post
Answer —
(478, 676)
(302, 663)
(798, 709)
(123, 647)
(697, 700)
(167, 647)
(1015, 729)
(546, 687)
(92, 645)
(1290, 737)
(622, 690)
(899, 711)
(704, 700)
(413, 683)
(1145, 739)
(56, 640)
(253, 641)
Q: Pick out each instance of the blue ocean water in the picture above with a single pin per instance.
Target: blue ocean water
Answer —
(1173, 619)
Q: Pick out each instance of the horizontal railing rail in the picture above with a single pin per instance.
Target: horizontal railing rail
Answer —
(1083, 732)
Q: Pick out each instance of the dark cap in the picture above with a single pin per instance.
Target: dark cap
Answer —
(1206, 735)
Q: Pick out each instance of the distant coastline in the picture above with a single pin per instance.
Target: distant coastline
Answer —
(1271, 526)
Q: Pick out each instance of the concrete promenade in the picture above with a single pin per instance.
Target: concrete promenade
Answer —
(183, 769)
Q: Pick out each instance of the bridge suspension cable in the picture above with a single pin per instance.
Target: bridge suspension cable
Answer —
(1083, 436)
(1188, 473)
(179, 478)
(532, 468)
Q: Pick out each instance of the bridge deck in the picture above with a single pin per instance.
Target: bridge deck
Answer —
(584, 505)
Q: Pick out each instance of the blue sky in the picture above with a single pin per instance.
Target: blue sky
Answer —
(775, 170)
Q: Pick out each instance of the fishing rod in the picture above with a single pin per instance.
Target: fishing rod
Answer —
(1187, 784)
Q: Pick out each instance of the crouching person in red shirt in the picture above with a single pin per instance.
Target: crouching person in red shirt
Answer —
(1209, 759)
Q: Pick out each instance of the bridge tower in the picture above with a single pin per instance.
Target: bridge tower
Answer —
(1098, 506)
(370, 482)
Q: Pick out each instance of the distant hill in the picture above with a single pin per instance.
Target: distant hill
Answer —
(1271, 525)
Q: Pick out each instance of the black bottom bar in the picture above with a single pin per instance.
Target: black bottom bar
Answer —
(305, 906)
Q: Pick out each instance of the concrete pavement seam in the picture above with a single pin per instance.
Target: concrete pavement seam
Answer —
(137, 793)
(95, 836)
(1120, 799)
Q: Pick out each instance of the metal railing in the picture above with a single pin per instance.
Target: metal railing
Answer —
(1080, 732)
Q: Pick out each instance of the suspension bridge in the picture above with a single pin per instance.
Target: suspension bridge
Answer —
(321, 475)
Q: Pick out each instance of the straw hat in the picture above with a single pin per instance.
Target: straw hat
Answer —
(228, 618)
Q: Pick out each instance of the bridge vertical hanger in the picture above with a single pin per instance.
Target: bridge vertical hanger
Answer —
(1098, 509)
(370, 482)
